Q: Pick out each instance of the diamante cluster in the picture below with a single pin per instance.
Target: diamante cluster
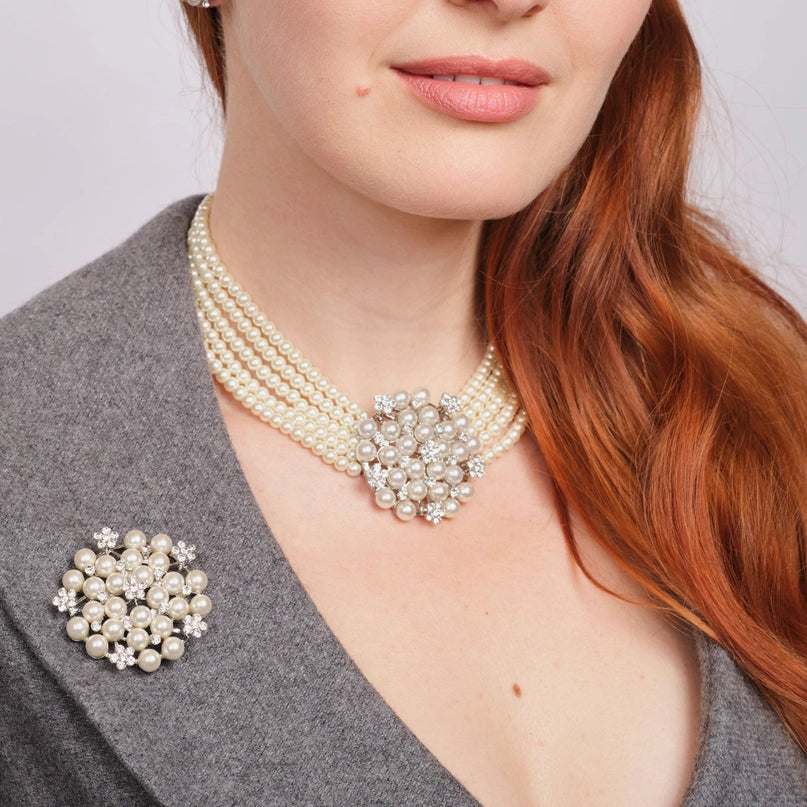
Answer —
(418, 457)
(135, 601)
(262, 370)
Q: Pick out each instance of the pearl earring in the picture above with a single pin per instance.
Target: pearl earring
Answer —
(202, 3)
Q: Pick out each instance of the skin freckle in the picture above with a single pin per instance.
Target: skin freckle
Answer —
(362, 91)
(517, 690)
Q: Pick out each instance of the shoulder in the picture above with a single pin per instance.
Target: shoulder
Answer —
(82, 327)
(746, 757)
(75, 360)
(93, 298)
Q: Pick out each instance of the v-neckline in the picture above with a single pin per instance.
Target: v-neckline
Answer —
(212, 407)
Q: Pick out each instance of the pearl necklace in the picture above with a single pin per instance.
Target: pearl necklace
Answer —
(417, 457)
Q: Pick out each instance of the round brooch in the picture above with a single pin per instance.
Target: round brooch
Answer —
(136, 597)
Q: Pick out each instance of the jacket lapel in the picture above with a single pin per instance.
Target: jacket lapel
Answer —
(110, 419)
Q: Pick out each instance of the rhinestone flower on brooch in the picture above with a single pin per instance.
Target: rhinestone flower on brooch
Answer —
(135, 601)
(419, 458)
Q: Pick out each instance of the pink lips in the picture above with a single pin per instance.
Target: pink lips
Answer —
(492, 101)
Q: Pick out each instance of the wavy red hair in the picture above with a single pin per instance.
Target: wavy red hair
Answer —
(665, 383)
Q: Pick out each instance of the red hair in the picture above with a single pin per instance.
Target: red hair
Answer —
(665, 383)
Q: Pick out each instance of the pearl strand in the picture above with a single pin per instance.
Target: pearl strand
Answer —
(262, 370)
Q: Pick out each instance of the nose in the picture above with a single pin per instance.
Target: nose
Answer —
(504, 9)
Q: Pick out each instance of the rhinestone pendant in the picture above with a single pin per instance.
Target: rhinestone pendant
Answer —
(418, 457)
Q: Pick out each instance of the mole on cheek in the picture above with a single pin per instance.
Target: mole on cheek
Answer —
(517, 690)
(361, 91)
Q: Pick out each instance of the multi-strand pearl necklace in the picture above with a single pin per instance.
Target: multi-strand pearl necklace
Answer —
(418, 457)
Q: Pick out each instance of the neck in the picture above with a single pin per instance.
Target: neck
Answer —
(377, 299)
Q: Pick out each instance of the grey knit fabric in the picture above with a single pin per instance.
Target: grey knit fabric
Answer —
(108, 417)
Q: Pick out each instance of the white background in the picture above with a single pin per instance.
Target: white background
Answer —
(104, 122)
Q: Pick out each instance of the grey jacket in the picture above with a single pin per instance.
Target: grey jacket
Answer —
(108, 417)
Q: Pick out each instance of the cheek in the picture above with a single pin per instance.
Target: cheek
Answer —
(597, 37)
(598, 34)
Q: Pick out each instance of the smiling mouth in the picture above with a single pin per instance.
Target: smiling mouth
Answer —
(476, 89)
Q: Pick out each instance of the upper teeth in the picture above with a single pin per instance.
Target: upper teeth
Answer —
(485, 81)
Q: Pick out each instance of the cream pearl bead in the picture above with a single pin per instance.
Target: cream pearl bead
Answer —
(406, 510)
(115, 607)
(388, 455)
(105, 565)
(429, 415)
(134, 539)
(94, 587)
(448, 431)
(73, 580)
(140, 616)
(173, 648)
(159, 562)
(408, 418)
(131, 558)
(367, 428)
(178, 608)
(385, 498)
(436, 469)
(173, 582)
(464, 491)
(84, 558)
(149, 660)
(78, 629)
(416, 469)
(93, 611)
(156, 597)
(397, 478)
(390, 430)
(115, 583)
(96, 646)
(406, 445)
(137, 639)
(420, 397)
(113, 630)
(161, 543)
(144, 575)
(417, 490)
(451, 507)
(461, 422)
(162, 625)
(197, 580)
(201, 604)
(365, 451)
(423, 432)
(438, 492)
(454, 475)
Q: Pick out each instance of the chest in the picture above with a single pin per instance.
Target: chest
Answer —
(526, 681)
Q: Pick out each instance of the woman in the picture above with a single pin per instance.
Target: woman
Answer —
(614, 614)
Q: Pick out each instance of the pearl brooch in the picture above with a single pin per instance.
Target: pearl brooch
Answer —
(416, 457)
(130, 603)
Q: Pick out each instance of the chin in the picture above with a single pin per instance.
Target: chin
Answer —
(468, 200)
